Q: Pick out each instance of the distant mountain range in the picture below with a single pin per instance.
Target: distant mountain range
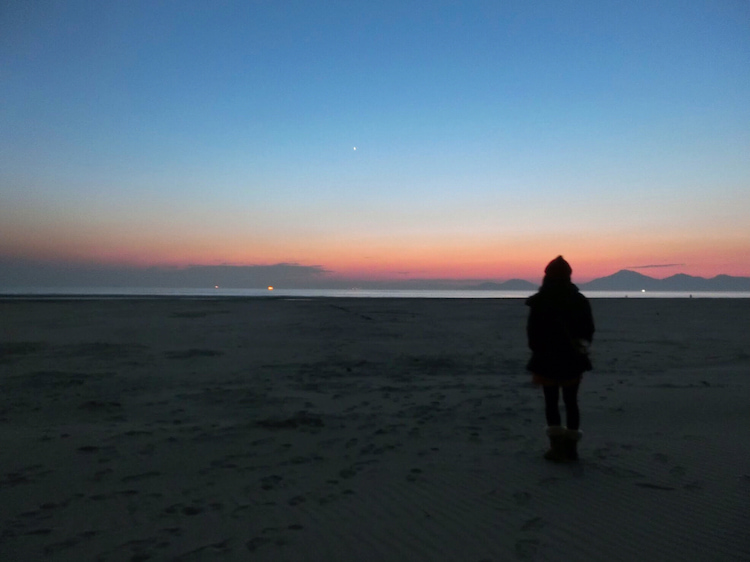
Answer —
(510, 285)
(626, 280)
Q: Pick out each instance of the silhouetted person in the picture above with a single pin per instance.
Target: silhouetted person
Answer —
(560, 329)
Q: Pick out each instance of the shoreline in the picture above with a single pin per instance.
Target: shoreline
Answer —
(604, 295)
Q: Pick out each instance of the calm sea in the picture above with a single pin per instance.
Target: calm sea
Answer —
(119, 293)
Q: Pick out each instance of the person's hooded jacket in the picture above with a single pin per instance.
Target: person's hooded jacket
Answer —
(560, 326)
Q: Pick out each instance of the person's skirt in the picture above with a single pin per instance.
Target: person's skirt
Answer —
(549, 381)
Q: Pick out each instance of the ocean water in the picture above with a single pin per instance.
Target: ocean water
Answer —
(119, 293)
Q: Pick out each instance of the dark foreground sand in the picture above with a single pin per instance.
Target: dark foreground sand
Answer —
(357, 430)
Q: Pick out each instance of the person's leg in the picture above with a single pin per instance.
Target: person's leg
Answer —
(551, 409)
(556, 434)
(570, 397)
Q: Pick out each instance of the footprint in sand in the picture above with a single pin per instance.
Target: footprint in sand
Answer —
(533, 524)
(347, 473)
(661, 457)
(677, 471)
(270, 482)
(651, 486)
(55, 548)
(296, 500)
(101, 474)
(192, 353)
(256, 542)
(526, 548)
(601, 452)
(550, 480)
(413, 474)
(328, 498)
(142, 476)
(191, 510)
(522, 498)
(39, 532)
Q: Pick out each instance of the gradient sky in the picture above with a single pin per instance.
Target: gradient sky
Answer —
(490, 136)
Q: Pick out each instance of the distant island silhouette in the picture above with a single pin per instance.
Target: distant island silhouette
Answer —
(627, 280)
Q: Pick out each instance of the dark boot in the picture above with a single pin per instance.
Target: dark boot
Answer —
(570, 444)
(556, 452)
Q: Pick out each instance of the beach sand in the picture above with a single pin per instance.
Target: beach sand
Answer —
(366, 430)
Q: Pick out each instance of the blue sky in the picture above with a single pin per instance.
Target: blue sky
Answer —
(490, 136)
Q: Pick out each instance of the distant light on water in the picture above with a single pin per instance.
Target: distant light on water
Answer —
(270, 288)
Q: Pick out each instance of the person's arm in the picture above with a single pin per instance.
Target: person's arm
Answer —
(588, 322)
(532, 330)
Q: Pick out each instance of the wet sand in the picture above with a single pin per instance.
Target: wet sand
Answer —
(366, 429)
